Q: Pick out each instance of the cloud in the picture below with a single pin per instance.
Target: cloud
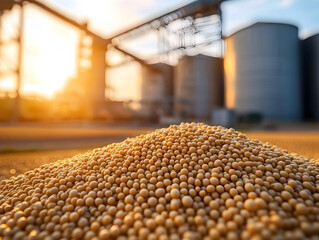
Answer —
(286, 3)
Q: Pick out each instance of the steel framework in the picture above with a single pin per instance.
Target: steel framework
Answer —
(193, 25)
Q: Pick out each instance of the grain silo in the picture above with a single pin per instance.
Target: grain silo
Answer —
(157, 90)
(310, 49)
(198, 87)
(95, 80)
(262, 72)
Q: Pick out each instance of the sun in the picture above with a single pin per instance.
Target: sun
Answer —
(47, 73)
(52, 72)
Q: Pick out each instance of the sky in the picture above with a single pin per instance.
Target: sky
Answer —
(302, 13)
(120, 14)
(50, 45)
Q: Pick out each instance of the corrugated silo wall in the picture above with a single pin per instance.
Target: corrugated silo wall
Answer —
(262, 72)
(310, 59)
(198, 87)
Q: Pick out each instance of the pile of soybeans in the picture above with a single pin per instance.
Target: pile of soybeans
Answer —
(190, 181)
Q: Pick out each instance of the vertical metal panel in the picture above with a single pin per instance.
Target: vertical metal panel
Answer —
(199, 86)
(310, 47)
(262, 71)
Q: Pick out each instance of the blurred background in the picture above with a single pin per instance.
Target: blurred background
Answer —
(76, 74)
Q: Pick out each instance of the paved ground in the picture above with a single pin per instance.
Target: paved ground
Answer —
(303, 143)
(13, 164)
(47, 137)
(28, 146)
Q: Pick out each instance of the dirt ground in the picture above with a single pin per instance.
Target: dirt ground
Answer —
(25, 148)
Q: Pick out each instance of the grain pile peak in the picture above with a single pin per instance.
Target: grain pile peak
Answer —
(190, 181)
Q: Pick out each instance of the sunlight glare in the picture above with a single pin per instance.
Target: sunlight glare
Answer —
(230, 73)
(52, 73)
(49, 55)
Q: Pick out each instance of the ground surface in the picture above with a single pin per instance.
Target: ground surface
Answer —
(23, 148)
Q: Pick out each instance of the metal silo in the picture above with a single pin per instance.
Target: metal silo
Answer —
(262, 72)
(198, 86)
(156, 90)
(310, 49)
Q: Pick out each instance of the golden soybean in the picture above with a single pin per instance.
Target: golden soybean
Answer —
(190, 181)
